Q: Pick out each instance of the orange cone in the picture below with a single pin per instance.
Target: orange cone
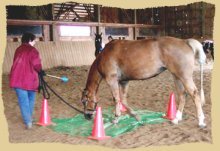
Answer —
(122, 107)
(98, 132)
(45, 115)
(171, 110)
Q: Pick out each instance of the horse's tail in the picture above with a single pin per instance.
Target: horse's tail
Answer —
(198, 48)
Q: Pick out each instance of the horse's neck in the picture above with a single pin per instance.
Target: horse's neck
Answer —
(94, 79)
(98, 46)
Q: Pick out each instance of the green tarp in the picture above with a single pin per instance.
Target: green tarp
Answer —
(79, 126)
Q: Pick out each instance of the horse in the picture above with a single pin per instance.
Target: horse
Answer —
(125, 60)
(208, 46)
(98, 44)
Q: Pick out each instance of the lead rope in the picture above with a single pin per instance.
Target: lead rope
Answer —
(44, 86)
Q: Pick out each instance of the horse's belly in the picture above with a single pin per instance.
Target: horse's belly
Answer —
(142, 74)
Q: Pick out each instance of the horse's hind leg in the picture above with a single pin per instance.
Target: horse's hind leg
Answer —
(192, 90)
(181, 97)
(123, 85)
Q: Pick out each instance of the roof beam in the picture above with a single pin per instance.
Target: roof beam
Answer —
(37, 22)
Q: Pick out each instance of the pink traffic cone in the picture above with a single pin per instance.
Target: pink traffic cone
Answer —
(122, 107)
(171, 110)
(45, 115)
(98, 132)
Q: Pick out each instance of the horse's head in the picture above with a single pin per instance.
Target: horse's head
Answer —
(98, 41)
(89, 104)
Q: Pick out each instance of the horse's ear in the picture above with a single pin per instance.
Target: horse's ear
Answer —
(95, 33)
(101, 33)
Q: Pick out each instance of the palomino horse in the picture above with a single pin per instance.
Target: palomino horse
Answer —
(98, 44)
(124, 60)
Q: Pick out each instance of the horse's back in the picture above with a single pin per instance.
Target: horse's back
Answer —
(146, 48)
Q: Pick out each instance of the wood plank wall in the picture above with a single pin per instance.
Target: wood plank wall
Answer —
(194, 20)
(75, 53)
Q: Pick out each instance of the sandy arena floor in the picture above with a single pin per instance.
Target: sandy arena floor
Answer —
(152, 94)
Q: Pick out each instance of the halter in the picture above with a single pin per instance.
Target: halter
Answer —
(85, 101)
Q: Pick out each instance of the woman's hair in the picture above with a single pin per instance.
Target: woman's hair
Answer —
(27, 37)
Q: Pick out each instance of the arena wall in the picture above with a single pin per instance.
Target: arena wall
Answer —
(53, 54)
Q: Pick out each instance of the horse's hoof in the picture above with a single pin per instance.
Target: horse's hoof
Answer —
(175, 121)
(115, 121)
(137, 118)
(203, 125)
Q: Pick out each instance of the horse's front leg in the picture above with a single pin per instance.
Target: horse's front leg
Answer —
(112, 81)
(123, 86)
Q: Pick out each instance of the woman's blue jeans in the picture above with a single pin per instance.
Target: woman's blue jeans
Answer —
(26, 101)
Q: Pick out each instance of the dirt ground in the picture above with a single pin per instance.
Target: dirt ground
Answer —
(152, 94)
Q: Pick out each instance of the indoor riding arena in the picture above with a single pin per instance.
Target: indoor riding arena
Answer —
(67, 42)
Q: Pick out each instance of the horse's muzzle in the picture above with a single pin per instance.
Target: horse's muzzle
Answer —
(88, 116)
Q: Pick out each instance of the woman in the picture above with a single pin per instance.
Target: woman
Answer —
(24, 76)
(110, 38)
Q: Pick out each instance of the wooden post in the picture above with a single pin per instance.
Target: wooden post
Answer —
(46, 33)
(54, 32)
(53, 28)
(163, 31)
(203, 20)
(135, 22)
(99, 19)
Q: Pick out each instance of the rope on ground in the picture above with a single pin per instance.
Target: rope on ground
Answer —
(44, 86)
